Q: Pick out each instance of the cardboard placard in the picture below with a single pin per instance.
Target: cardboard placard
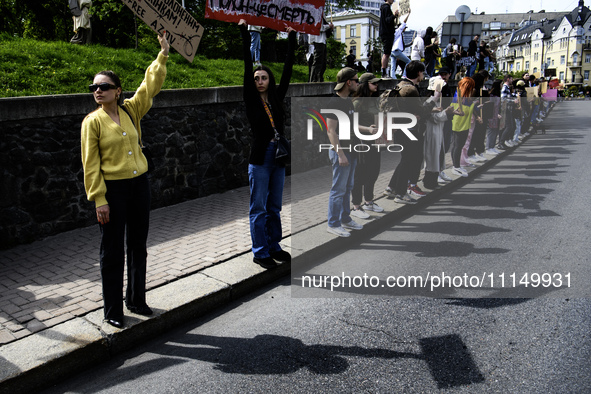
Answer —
(403, 8)
(543, 87)
(532, 92)
(302, 16)
(182, 30)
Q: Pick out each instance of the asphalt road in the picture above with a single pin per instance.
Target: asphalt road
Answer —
(528, 213)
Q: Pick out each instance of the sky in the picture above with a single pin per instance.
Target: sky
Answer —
(431, 13)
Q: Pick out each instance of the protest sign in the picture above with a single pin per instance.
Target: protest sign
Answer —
(551, 94)
(403, 8)
(302, 16)
(543, 87)
(182, 30)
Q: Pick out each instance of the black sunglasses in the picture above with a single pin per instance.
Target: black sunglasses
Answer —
(102, 86)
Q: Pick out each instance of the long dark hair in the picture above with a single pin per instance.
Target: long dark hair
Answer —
(496, 88)
(363, 91)
(276, 105)
(115, 78)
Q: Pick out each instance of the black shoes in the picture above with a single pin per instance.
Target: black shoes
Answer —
(143, 310)
(269, 262)
(266, 262)
(281, 255)
(115, 323)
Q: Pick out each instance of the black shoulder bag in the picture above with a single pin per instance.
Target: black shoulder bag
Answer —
(283, 152)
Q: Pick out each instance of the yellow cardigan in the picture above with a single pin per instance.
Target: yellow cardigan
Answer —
(113, 152)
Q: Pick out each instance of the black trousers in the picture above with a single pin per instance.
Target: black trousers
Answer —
(319, 64)
(129, 204)
(366, 175)
(411, 159)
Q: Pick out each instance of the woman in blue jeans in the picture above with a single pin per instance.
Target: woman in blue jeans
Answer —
(265, 113)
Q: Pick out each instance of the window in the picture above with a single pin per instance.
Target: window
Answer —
(536, 57)
(561, 76)
(548, 61)
(485, 25)
(575, 58)
(535, 70)
(587, 58)
(586, 74)
(553, 62)
(527, 65)
(354, 49)
(562, 59)
(518, 66)
(353, 30)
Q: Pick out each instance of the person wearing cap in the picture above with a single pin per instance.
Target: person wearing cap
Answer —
(342, 156)
(398, 48)
(434, 147)
(368, 165)
(403, 183)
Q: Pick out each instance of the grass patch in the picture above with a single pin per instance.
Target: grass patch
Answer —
(35, 68)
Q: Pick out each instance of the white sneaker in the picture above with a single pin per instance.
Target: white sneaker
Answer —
(482, 157)
(341, 232)
(388, 192)
(498, 152)
(492, 152)
(441, 180)
(352, 225)
(445, 177)
(359, 213)
(459, 171)
(510, 144)
(474, 159)
(372, 206)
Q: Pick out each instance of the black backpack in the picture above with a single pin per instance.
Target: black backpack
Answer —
(74, 9)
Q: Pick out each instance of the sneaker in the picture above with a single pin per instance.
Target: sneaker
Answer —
(372, 206)
(353, 225)
(441, 180)
(509, 144)
(359, 213)
(482, 157)
(388, 192)
(341, 232)
(492, 152)
(445, 177)
(406, 199)
(474, 159)
(416, 192)
(498, 152)
(459, 171)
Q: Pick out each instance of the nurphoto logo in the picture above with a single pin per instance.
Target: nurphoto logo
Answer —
(391, 120)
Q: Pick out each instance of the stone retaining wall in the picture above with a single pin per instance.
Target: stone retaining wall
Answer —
(199, 138)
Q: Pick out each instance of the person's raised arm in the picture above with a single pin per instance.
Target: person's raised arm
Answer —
(288, 65)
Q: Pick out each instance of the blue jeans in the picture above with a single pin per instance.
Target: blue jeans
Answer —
(397, 54)
(255, 46)
(266, 194)
(472, 68)
(339, 208)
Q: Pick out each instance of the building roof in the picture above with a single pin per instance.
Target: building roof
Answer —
(579, 15)
(516, 17)
(523, 35)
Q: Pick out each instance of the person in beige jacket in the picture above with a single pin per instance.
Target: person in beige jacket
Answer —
(82, 26)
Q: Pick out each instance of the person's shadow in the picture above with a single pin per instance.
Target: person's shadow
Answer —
(273, 354)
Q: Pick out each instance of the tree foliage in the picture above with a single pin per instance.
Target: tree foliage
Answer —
(114, 25)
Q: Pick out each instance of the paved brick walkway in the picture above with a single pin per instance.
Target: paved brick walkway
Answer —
(51, 281)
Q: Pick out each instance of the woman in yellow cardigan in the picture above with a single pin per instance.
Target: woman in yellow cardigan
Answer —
(115, 178)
